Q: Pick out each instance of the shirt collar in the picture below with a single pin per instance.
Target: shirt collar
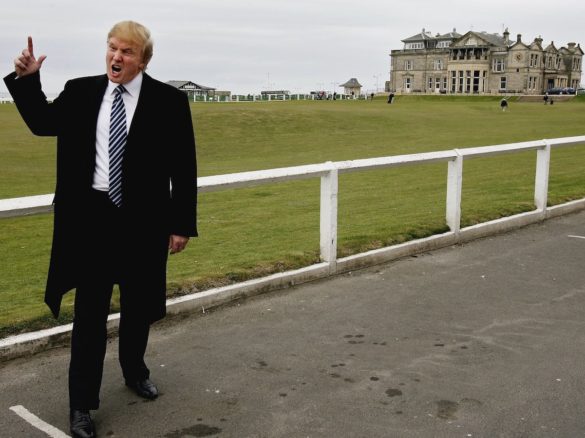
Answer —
(132, 87)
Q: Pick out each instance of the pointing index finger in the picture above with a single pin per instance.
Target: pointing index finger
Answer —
(30, 46)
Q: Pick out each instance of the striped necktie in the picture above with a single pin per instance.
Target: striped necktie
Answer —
(118, 136)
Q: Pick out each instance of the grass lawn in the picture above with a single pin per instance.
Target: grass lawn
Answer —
(252, 232)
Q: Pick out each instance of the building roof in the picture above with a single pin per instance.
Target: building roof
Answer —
(481, 39)
(423, 36)
(181, 85)
(352, 83)
(492, 38)
(426, 36)
(449, 35)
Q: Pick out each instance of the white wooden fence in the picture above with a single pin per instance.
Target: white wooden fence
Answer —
(274, 97)
(328, 173)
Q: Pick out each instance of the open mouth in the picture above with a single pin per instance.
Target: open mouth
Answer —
(116, 68)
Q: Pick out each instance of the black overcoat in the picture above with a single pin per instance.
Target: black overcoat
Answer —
(159, 180)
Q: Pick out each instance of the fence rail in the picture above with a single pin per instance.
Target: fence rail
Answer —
(328, 173)
(275, 97)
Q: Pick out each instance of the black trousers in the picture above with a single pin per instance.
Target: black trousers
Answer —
(92, 305)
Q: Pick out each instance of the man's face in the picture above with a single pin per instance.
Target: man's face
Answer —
(123, 60)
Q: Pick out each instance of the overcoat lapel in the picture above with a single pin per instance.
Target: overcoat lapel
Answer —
(140, 121)
(100, 89)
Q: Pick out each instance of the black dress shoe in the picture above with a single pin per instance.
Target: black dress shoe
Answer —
(144, 388)
(81, 424)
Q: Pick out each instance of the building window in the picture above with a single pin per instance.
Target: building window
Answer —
(476, 74)
(408, 65)
(443, 44)
(533, 60)
(532, 81)
(503, 83)
(438, 64)
(444, 82)
(549, 62)
(453, 81)
(498, 64)
(461, 79)
(407, 83)
(431, 82)
(410, 46)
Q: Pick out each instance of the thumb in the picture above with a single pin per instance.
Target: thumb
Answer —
(41, 60)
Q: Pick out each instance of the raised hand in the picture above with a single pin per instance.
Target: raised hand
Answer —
(26, 63)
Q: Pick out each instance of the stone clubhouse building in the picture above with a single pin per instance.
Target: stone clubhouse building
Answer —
(482, 63)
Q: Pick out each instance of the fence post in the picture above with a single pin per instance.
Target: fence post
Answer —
(454, 185)
(541, 179)
(328, 217)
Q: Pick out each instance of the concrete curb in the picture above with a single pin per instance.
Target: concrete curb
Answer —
(30, 343)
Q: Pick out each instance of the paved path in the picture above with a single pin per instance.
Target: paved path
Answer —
(480, 340)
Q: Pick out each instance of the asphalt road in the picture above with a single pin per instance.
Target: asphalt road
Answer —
(484, 339)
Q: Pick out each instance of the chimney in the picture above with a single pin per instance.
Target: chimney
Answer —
(506, 36)
(571, 45)
(519, 38)
(538, 40)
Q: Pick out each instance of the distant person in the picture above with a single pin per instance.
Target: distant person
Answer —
(504, 104)
(391, 97)
(551, 101)
(545, 98)
(335, 95)
(371, 96)
(125, 196)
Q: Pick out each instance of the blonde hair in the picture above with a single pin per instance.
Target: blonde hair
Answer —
(135, 33)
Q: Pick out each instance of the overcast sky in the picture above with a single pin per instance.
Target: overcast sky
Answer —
(252, 45)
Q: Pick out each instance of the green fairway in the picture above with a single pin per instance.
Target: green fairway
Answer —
(252, 232)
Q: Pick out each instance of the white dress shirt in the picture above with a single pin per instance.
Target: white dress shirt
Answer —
(102, 160)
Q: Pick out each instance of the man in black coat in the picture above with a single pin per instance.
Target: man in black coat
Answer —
(126, 195)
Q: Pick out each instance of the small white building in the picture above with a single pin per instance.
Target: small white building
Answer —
(192, 89)
(352, 87)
